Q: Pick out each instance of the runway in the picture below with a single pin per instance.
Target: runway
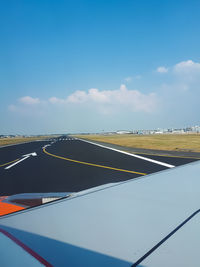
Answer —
(67, 164)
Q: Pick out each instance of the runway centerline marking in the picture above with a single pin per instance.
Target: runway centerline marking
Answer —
(92, 164)
(130, 154)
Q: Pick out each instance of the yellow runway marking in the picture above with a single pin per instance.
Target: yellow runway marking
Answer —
(91, 164)
(8, 163)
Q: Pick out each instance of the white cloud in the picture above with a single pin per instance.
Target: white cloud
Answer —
(27, 100)
(188, 73)
(77, 97)
(187, 67)
(116, 99)
(97, 96)
(104, 102)
(162, 69)
(174, 102)
(55, 100)
(93, 95)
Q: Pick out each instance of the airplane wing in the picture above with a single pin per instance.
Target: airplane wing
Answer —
(151, 221)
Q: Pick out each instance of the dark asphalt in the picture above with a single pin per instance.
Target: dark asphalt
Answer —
(44, 173)
(10, 153)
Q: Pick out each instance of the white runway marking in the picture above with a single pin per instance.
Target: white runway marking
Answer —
(24, 157)
(133, 155)
(46, 146)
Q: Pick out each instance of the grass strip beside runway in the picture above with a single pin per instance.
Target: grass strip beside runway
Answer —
(92, 164)
(168, 142)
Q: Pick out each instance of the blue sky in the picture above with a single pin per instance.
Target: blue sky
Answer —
(92, 66)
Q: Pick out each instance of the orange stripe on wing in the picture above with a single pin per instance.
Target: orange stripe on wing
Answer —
(6, 208)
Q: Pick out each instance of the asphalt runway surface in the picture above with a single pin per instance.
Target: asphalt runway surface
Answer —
(66, 164)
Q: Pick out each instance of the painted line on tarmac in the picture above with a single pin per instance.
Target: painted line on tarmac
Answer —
(8, 162)
(163, 155)
(92, 164)
(24, 157)
(10, 166)
(133, 155)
